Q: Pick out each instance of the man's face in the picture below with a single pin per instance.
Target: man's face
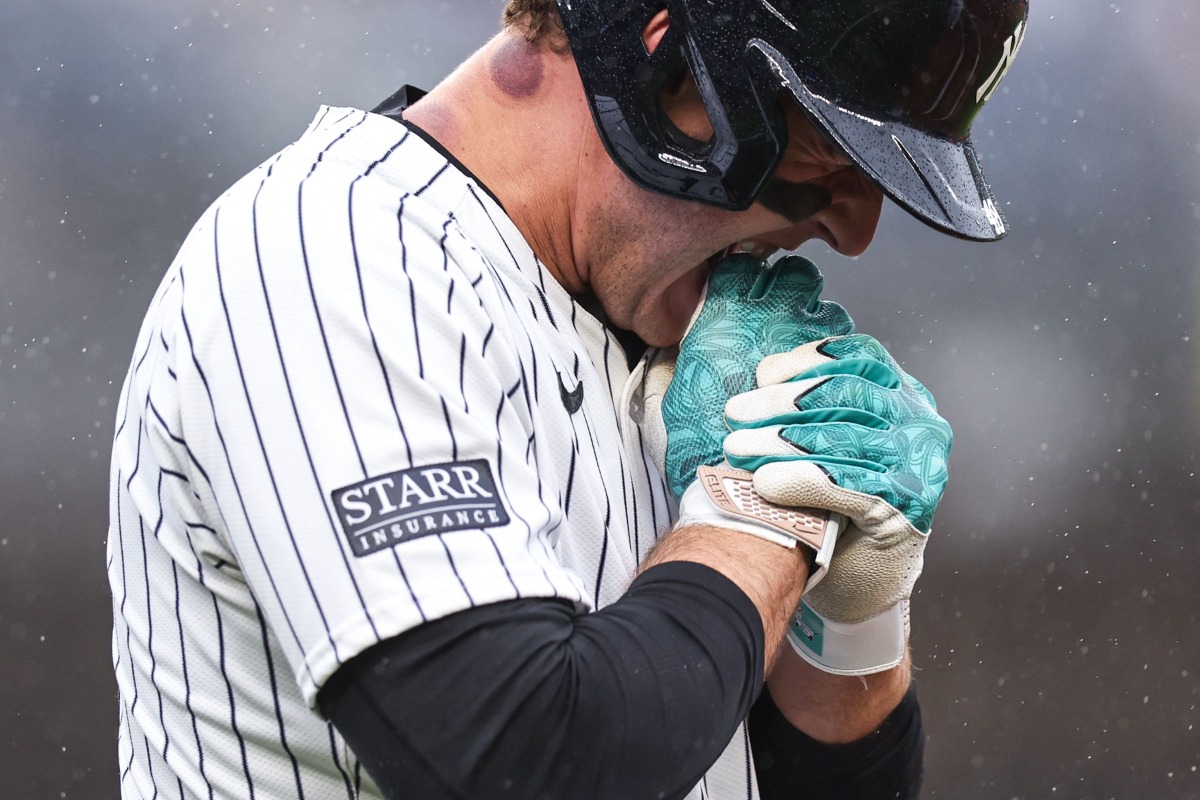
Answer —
(648, 256)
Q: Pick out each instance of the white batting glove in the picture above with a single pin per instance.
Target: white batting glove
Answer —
(851, 648)
(837, 424)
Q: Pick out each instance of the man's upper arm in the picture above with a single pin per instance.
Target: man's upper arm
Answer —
(350, 404)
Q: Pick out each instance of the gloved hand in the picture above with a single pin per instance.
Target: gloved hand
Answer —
(750, 310)
(839, 425)
(735, 328)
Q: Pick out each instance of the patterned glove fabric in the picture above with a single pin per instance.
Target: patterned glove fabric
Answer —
(837, 424)
(751, 310)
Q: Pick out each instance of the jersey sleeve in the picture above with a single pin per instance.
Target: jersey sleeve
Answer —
(355, 409)
(599, 705)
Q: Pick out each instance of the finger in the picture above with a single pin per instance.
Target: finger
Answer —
(806, 484)
(750, 408)
(785, 366)
(733, 278)
(751, 308)
(724, 293)
(810, 484)
(784, 308)
(920, 446)
(751, 448)
(793, 279)
(868, 369)
(866, 357)
(920, 390)
(906, 492)
(797, 279)
(889, 406)
(855, 355)
(860, 346)
(748, 418)
(844, 443)
(911, 461)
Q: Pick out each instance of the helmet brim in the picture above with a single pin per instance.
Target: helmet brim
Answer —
(938, 180)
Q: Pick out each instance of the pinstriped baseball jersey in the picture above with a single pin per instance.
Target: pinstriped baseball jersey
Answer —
(358, 402)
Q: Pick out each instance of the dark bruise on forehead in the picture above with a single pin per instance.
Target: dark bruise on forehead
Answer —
(516, 68)
(794, 201)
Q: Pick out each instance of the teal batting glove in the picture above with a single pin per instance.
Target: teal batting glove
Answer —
(776, 322)
(839, 425)
(750, 310)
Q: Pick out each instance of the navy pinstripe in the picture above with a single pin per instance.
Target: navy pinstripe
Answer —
(258, 432)
(224, 447)
(291, 392)
(354, 311)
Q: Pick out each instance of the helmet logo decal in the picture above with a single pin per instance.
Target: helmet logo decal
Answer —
(667, 158)
(993, 214)
(1011, 45)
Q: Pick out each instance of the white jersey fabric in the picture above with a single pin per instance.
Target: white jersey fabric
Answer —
(353, 407)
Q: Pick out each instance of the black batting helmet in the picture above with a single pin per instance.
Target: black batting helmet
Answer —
(895, 83)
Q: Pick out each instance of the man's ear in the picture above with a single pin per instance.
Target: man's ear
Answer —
(655, 30)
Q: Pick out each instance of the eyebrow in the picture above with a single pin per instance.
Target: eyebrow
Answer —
(794, 201)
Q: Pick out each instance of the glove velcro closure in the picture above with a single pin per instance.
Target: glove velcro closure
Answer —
(726, 498)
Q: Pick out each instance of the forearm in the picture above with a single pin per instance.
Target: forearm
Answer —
(886, 764)
(831, 708)
(834, 709)
(825, 736)
(770, 575)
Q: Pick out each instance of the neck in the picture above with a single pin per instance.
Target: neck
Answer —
(511, 115)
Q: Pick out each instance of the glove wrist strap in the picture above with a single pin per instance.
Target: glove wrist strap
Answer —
(726, 498)
(860, 648)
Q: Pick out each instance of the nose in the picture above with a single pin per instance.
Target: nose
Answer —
(849, 223)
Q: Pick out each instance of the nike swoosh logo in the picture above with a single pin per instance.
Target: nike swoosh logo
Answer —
(572, 400)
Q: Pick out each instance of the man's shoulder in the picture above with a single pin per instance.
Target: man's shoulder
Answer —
(361, 199)
(345, 149)
(352, 174)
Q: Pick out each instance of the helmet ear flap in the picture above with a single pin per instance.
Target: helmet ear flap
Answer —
(690, 133)
(685, 115)
(624, 82)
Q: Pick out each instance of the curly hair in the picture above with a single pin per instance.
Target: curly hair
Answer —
(538, 20)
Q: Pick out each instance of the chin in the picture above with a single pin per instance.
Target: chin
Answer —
(666, 328)
(660, 339)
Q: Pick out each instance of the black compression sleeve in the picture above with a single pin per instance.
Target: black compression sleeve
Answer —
(528, 699)
(884, 766)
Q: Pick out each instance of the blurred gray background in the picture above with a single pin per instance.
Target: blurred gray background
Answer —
(1056, 627)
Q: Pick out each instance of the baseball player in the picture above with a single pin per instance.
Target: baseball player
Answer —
(403, 506)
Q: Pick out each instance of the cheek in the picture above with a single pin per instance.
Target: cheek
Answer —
(651, 259)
